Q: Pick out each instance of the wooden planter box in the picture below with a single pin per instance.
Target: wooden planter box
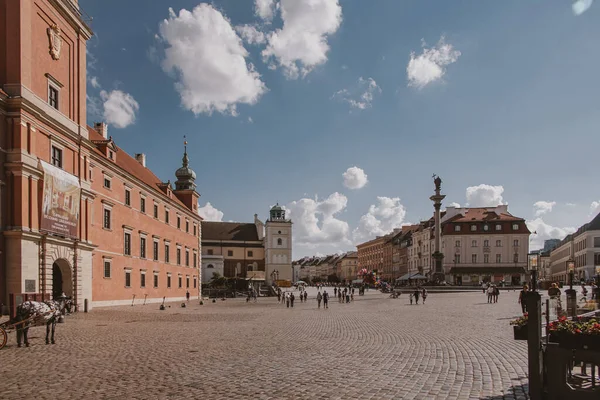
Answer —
(576, 342)
(520, 332)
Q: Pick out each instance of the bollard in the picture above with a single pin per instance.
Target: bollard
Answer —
(534, 345)
(85, 305)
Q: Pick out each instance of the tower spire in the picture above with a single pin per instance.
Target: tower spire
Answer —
(186, 160)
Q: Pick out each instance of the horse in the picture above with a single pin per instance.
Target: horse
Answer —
(35, 313)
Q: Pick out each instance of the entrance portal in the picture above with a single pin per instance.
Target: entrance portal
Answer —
(62, 281)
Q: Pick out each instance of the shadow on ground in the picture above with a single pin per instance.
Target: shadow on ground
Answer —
(514, 392)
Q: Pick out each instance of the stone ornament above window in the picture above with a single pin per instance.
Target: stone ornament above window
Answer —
(55, 41)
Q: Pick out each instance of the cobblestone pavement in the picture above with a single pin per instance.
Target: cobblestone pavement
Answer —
(455, 347)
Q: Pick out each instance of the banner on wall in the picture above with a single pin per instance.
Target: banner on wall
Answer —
(60, 204)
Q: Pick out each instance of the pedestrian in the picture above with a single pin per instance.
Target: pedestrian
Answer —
(187, 295)
(522, 297)
(319, 298)
(352, 296)
(411, 299)
(424, 294)
(325, 299)
(305, 296)
(416, 293)
(496, 293)
(335, 289)
(292, 297)
(490, 293)
(339, 296)
(287, 300)
(347, 298)
(279, 296)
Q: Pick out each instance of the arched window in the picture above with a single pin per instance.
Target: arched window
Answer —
(210, 266)
(250, 267)
(279, 242)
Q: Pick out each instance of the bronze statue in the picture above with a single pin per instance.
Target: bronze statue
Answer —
(438, 182)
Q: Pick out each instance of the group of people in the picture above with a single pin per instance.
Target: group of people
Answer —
(346, 295)
(492, 292)
(419, 292)
(288, 298)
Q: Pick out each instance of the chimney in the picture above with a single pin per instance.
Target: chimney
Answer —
(102, 129)
(141, 158)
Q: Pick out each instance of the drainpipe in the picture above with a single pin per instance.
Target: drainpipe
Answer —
(74, 283)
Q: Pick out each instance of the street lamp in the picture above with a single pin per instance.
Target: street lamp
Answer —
(571, 270)
(571, 294)
(597, 294)
(533, 268)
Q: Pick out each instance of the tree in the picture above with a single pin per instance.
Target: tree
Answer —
(217, 280)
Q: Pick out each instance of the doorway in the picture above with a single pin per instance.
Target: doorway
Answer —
(62, 281)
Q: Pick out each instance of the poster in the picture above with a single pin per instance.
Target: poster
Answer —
(60, 204)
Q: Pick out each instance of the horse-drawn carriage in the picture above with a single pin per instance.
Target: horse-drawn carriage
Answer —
(34, 313)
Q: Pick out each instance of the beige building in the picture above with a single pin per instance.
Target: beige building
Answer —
(421, 248)
(484, 244)
(255, 251)
(583, 247)
(348, 266)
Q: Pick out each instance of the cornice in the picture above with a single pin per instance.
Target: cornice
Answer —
(73, 15)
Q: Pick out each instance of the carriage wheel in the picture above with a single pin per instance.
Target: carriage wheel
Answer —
(3, 338)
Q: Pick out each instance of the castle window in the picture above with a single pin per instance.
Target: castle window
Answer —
(279, 242)
(250, 253)
(515, 227)
(127, 278)
(456, 228)
(107, 268)
(143, 205)
(156, 211)
(498, 227)
(127, 197)
(209, 252)
(486, 228)
(57, 157)
(53, 96)
(229, 253)
(473, 228)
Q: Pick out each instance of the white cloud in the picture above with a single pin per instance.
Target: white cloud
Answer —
(355, 178)
(594, 208)
(301, 44)
(94, 106)
(265, 9)
(209, 213)
(381, 219)
(544, 232)
(570, 204)
(315, 222)
(430, 65)
(543, 207)
(454, 204)
(94, 82)
(251, 34)
(360, 97)
(119, 108)
(581, 6)
(484, 196)
(208, 60)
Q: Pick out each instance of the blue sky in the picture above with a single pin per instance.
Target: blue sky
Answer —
(278, 98)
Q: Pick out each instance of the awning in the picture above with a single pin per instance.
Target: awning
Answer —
(418, 276)
(411, 276)
(486, 270)
(404, 277)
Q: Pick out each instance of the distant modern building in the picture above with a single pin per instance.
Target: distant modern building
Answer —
(583, 247)
(550, 244)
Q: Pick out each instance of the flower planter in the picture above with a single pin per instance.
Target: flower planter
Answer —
(520, 332)
(576, 342)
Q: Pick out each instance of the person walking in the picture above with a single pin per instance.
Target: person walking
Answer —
(416, 294)
(335, 289)
(339, 296)
(279, 296)
(325, 299)
(522, 296)
(424, 294)
(490, 293)
(305, 296)
(292, 297)
(496, 293)
(187, 296)
(319, 298)
(411, 298)
(287, 300)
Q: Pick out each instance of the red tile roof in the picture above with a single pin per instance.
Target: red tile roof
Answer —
(482, 214)
(133, 167)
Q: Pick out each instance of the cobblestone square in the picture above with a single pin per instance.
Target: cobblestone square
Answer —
(454, 347)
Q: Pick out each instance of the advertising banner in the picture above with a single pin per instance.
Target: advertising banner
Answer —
(60, 205)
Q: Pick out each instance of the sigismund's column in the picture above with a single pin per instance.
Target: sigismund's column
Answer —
(437, 204)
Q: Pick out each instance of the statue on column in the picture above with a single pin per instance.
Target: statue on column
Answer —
(438, 182)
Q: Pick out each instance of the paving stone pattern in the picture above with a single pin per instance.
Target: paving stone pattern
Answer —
(455, 347)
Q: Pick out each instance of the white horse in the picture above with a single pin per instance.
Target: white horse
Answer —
(36, 313)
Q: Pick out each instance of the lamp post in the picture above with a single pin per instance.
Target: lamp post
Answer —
(571, 293)
(533, 268)
(597, 288)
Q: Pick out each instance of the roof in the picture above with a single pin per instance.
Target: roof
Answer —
(276, 207)
(482, 214)
(240, 231)
(133, 167)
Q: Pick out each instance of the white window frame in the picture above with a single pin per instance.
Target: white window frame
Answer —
(456, 228)
(515, 227)
(143, 273)
(155, 279)
(498, 227)
(128, 271)
(56, 85)
(106, 178)
(106, 206)
(61, 148)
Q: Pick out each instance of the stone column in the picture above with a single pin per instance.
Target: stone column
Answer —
(438, 255)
